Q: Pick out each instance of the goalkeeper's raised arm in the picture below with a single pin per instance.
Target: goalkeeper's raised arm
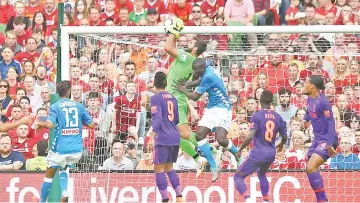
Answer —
(173, 27)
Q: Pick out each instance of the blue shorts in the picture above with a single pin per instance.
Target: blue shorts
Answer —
(249, 166)
(165, 154)
(320, 149)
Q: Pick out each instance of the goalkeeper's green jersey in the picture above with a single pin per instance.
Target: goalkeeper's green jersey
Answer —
(180, 69)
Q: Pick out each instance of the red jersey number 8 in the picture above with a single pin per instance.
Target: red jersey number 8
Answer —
(270, 126)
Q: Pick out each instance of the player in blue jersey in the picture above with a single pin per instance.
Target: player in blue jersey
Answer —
(319, 113)
(164, 118)
(264, 126)
(217, 114)
(67, 117)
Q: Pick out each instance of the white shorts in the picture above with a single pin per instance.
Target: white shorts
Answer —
(216, 117)
(55, 159)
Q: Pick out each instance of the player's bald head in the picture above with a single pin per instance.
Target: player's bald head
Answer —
(198, 67)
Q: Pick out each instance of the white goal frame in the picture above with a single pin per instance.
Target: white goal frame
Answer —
(67, 30)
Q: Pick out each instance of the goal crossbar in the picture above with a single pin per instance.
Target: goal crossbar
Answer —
(67, 30)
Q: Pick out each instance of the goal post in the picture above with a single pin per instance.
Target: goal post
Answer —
(92, 183)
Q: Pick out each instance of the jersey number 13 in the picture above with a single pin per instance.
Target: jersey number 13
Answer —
(71, 117)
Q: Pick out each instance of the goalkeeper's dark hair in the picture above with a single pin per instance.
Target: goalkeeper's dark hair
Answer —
(201, 46)
(63, 88)
(160, 80)
(266, 97)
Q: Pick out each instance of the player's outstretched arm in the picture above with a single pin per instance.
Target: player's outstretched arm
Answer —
(245, 143)
(193, 95)
(170, 46)
(4, 127)
(91, 125)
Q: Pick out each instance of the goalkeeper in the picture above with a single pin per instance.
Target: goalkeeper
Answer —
(180, 70)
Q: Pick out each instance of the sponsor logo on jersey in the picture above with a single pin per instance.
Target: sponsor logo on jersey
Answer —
(70, 131)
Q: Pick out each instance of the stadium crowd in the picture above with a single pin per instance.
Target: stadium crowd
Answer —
(114, 80)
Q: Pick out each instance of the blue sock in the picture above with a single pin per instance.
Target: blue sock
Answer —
(45, 189)
(64, 179)
(241, 186)
(232, 148)
(205, 148)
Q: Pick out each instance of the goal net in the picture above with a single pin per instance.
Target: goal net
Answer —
(112, 70)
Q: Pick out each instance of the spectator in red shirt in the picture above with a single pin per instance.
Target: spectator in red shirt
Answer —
(22, 143)
(355, 101)
(127, 107)
(341, 76)
(130, 72)
(213, 8)
(21, 34)
(30, 54)
(33, 7)
(159, 6)
(313, 68)
(197, 15)
(20, 92)
(7, 11)
(110, 12)
(94, 87)
(251, 70)
(19, 8)
(25, 105)
(13, 83)
(124, 18)
(106, 86)
(326, 6)
(181, 9)
(51, 15)
(119, 4)
(298, 98)
(94, 13)
(356, 146)
(39, 21)
(291, 13)
(80, 11)
(330, 92)
(296, 154)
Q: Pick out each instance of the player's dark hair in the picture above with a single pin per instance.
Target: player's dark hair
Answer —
(63, 88)
(160, 80)
(283, 91)
(266, 97)
(317, 81)
(42, 147)
(200, 45)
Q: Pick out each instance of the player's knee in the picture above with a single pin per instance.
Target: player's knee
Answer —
(310, 169)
